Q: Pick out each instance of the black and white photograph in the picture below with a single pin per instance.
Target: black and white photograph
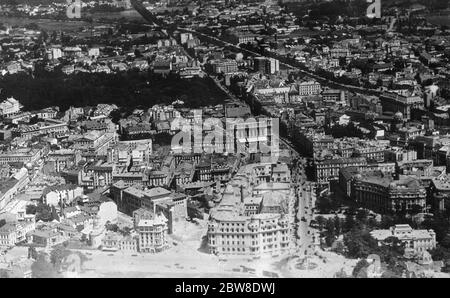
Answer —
(226, 145)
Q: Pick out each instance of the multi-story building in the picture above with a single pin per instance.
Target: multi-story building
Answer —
(266, 65)
(9, 107)
(21, 155)
(116, 242)
(251, 221)
(256, 235)
(224, 66)
(49, 126)
(339, 52)
(371, 153)
(419, 167)
(156, 200)
(381, 193)
(10, 187)
(135, 151)
(15, 231)
(328, 169)
(440, 193)
(396, 154)
(94, 141)
(393, 102)
(8, 235)
(333, 95)
(242, 37)
(313, 143)
(184, 37)
(153, 234)
(308, 88)
(62, 159)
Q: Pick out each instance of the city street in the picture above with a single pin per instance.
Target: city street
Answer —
(304, 212)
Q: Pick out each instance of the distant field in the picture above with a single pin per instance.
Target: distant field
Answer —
(72, 25)
(131, 15)
(45, 24)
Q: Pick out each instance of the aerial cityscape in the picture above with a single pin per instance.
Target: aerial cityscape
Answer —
(225, 139)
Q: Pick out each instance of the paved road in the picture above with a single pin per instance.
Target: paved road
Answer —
(305, 209)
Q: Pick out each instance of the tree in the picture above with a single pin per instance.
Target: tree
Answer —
(445, 242)
(11, 2)
(359, 243)
(337, 225)
(325, 204)
(416, 209)
(387, 221)
(126, 231)
(339, 247)
(349, 222)
(395, 244)
(32, 253)
(439, 224)
(4, 273)
(341, 274)
(137, 53)
(57, 255)
(321, 221)
(43, 212)
(361, 215)
(30, 209)
(362, 264)
(2, 222)
(330, 232)
(112, 227)
(440, 254)
(43, 269)
(54, 213)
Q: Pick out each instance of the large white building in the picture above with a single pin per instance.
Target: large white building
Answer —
(307, 88)
(152, 234)
(9, 107)
(252, 221)
(260, 234)
(416, 241)
(9, 188)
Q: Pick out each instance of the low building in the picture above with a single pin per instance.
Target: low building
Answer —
(45, 237)
(61, 194)
(9, 107)
(21, 155)
(415, 241)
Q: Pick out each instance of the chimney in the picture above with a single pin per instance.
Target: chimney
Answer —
(242, 194)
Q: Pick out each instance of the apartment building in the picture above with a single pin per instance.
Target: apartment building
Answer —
(255, 235)
(153, 234)
(21, 155)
